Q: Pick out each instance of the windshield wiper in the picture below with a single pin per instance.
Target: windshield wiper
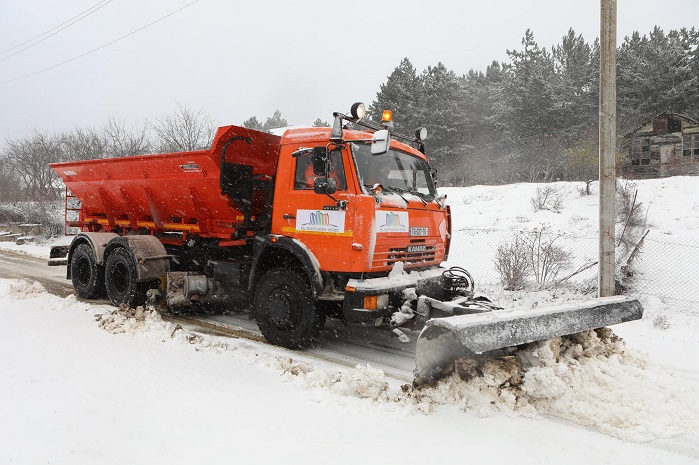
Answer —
(421, 196)
(400, 191)
(371, 189)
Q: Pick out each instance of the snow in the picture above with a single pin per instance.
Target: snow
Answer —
(84, 383)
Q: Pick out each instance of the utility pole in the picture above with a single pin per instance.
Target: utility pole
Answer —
(607, 148)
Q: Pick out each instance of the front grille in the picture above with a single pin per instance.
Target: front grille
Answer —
(414, 254)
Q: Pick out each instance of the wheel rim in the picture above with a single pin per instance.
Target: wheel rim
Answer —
(283, 308)
(120, 278)
(82, 271)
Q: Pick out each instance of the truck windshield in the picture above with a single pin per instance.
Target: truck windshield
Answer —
(396, 171)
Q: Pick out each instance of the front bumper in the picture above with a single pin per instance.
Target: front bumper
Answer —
(429, 283)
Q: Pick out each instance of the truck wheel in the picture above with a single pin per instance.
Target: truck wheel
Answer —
(120, 280)
(86, 275)
(284, 309)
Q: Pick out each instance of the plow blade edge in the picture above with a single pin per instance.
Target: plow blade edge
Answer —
(444, 340)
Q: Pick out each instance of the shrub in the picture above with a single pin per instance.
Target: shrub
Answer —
(547, 198)
(531, 254)
(512, 262)
(547, 259)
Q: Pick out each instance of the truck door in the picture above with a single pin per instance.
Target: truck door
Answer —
(315, 219)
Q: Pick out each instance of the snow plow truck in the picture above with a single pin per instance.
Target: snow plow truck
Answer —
(342, 221)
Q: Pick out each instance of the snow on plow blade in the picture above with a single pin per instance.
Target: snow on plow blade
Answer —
(444, 340)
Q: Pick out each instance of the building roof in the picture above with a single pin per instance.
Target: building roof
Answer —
(667, 113)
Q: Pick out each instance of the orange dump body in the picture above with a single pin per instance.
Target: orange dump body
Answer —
(174, 192)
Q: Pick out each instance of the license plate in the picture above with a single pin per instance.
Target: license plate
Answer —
(418, 231)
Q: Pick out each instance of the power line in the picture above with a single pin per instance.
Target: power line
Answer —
(101, 46)
(50, 35)
(56, 27)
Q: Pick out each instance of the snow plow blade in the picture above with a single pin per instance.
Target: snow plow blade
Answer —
(444, 340)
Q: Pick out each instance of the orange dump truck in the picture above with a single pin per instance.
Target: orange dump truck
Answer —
(315, 223)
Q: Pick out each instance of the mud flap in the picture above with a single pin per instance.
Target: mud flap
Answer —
(444, 340)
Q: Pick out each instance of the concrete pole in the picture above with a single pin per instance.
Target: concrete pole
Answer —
(607, 147)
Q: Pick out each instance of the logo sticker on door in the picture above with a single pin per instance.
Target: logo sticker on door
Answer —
(391, 221)
(321, 221)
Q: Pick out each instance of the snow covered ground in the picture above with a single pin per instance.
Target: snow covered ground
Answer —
(84, 383)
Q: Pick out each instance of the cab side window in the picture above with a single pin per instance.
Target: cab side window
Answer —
(304, 177)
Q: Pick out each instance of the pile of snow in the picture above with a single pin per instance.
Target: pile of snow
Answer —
(590, 378)
(363, 382)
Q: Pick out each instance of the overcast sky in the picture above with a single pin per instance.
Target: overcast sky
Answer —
(236, 59)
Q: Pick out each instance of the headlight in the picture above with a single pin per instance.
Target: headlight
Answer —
(358, 111)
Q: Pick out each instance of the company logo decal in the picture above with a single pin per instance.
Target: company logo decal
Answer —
(321, 221)
(392, 221)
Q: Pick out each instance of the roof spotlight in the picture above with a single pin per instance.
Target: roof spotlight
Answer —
(358, 111)
(421, 133)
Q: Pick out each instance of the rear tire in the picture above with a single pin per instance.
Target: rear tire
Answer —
(121, 280)
(285, 311)
(86, 275)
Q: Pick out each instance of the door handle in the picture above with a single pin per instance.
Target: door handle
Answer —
(289, 217)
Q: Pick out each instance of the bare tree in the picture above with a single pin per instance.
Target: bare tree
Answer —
(82, 144)
(29, 158)
(184, 130)
(123, 142)
(8, 181)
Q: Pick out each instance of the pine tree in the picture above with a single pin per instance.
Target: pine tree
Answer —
(657, 73)
(576, 98)
(529, 113)
(402, 94)
(443, 114)
(529, 91)
(275, 121)
(253, 123)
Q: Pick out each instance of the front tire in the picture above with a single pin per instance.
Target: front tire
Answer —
(121, 280)
(86, 275)
(284, 309)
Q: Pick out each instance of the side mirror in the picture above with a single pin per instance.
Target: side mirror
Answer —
(380, 142)
(320, 160)
(326, 186)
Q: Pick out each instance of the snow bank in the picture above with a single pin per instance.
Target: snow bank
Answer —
(590, 379)
(362, 382)
(39, 249)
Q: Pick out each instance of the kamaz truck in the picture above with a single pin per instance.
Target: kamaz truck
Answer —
(338, 222)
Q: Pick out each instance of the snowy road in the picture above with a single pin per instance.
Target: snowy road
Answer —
(337, 344)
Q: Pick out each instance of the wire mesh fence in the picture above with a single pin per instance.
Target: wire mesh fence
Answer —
(663, 267)
(668, 268)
